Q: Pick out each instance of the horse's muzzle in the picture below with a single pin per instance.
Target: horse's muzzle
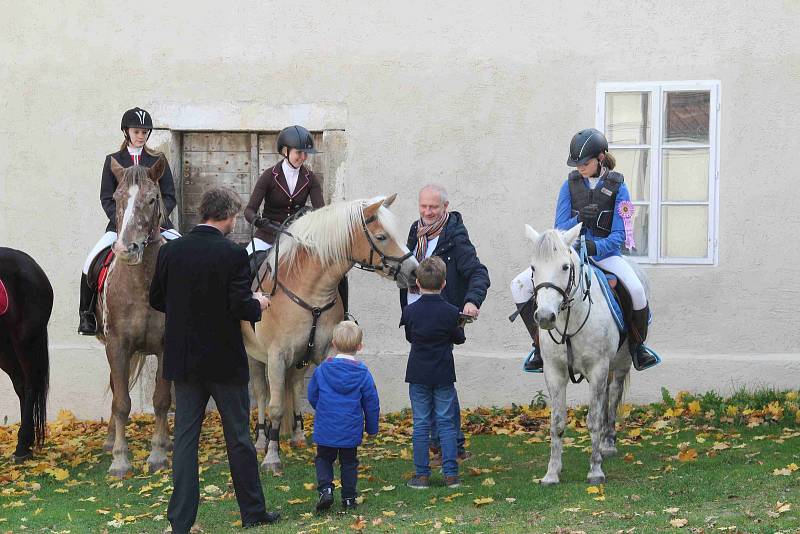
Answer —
(545, 319)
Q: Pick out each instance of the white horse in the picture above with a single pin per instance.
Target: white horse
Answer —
(570, 305)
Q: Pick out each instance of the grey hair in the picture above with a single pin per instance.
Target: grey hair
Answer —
(219, 204)
(443, 197)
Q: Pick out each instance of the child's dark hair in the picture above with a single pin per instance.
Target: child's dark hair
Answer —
(431, 273)
(610, 161)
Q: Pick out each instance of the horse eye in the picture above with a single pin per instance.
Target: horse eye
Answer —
(565, 267)
(381, 237)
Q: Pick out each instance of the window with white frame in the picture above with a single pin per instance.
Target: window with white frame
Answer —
(665, 138)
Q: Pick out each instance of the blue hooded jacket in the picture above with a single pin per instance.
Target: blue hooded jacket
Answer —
(343, 395)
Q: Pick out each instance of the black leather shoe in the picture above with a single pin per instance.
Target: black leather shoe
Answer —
(88, 324)
(642, 359)
(349, 503)
(325, 499)
(534, 362)
(268, 519)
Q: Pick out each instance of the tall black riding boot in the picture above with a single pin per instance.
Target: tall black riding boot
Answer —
(642, 359)
(344, 294)
(534, 362)
(88, 323)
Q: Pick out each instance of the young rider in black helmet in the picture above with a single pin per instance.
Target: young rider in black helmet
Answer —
(136, 126)
(283, 190)
(592, 195)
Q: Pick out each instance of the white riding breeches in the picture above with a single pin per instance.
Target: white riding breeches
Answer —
(260, 245)
(522, 285)
(108, 239)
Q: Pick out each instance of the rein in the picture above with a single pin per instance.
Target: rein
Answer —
(567, 298)
(390, 264)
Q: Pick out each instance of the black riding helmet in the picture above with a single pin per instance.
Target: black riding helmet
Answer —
(136, 118)
(298, 138)
(585, 145)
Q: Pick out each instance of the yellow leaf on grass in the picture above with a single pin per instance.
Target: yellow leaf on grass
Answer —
(732, 411)
(672, 511)
(449, 520)
(689, 455)
(720, 446)
(389, 513)
(58, 473)
(678, 523)
(694, 407)
(283, 488)
(377, 521)
(628, 458)
(359, 524)
(480, 501)
(488, 482)
(594, 490)
(782, 507)
(387, 488)
(309, 485)
(511, 499)
(211, 489)
(297, 501)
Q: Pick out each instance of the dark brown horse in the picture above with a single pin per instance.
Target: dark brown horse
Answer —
(126, 323)
(26, 300)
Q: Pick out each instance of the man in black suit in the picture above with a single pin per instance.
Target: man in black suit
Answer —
(202, 284)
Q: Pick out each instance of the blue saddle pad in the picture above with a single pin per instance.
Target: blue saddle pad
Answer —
(616, 310)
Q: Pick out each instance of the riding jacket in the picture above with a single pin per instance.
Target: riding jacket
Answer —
(608, 231)
(279, 204)
(108, 184)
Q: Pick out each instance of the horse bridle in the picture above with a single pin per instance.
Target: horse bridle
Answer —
(567, 298)
(390, 264)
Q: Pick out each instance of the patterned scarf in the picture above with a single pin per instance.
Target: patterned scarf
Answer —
(426, 233)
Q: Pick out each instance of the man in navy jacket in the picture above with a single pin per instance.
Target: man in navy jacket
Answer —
(439, 232)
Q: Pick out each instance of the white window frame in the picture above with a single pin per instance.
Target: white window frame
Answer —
(657, 91)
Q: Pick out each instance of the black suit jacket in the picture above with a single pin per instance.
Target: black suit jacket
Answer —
(108, 184)
(202, 283)
(431, 325)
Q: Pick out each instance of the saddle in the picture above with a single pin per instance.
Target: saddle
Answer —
(259, 268)
(3, 299)
(617, 297)
(99, 269)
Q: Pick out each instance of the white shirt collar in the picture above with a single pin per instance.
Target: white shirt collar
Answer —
(345, 357)
(135, 151)
(291, 174)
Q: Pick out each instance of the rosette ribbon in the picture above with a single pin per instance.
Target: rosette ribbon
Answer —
(627, 210)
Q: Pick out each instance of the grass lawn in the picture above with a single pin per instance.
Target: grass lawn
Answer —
(696, 464)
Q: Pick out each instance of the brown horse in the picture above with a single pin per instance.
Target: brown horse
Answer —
(26, 301)
(126, 324)
(314, 255)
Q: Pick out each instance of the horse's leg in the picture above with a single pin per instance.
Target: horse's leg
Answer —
(616, 389)
(118, 360)
(258, 379)
(277, 388)
(162, 399)
(555, 376)
(596, 420)
(108, 445)
(298, 435)
(10, 364)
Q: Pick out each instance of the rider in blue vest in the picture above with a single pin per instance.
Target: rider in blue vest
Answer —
(592, 195)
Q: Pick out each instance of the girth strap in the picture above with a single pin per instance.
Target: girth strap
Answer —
(570, 359)
(315, 314)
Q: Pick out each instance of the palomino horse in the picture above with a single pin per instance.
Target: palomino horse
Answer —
(569, 301)
(26, 300)
(313, 256)
(128, 326)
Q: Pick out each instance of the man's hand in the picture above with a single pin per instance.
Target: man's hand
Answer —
(471, 310)
(262, 299)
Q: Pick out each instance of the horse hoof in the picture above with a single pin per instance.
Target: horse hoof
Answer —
(152, 467)
(596, 480)
(120, 472)
(275, 468)
(549, 481)
(19, 458)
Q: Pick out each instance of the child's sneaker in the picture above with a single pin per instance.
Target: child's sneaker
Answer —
(325, 499)
(349, 503)
(419, 482)
(452, 482)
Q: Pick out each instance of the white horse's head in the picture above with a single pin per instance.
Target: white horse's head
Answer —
(554, 268)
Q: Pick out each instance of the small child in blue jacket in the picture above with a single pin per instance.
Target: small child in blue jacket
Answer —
(432, 326)
(345, 399)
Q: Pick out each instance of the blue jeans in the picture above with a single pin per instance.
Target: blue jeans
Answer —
(429, 403)
(460, 439)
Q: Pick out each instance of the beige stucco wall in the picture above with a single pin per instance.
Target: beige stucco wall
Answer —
(478, 96)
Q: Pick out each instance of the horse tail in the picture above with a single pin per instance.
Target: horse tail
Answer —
(135, 369)
(40, 386)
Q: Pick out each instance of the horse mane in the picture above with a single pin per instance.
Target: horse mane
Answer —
(137, 175)
(550, 245)
(327, 233)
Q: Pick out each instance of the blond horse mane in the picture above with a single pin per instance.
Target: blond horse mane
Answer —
(327, 233)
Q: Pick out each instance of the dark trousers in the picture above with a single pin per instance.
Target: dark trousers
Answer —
(348, 465)
(233, 404)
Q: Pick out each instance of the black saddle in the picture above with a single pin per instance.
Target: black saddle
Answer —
(97, 265)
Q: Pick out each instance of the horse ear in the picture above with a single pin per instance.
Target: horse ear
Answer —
(117, 170)
(373, 208)
(531, 234)
(571, 235)
(388, 201)
(157, 170)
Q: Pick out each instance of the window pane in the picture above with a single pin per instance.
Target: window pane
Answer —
(686, 117)
(628, 118)
(634, 164)
(684, 174)
(684, 231)
(641, 225)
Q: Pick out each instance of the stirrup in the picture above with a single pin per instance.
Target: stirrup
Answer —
(528, 358)
(649, 351)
